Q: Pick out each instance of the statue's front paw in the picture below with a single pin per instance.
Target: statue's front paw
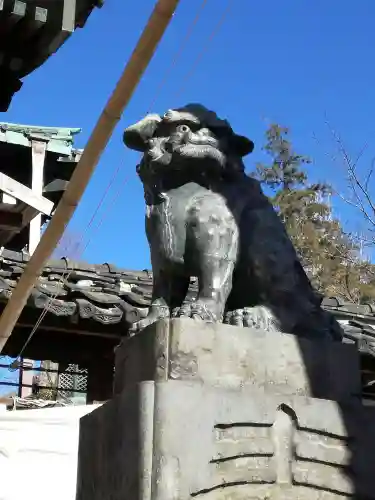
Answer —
(196, 310)
(258, 317)
(235, 318)
(182, 312)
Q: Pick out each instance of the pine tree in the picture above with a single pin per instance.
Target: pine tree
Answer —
(328, 255)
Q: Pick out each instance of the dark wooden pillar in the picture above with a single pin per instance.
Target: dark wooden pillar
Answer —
(100, 379)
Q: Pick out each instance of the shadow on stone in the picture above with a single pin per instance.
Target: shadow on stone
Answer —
(358, 439)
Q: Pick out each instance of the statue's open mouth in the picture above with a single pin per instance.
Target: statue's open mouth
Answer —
(204, 152)
(174, 152)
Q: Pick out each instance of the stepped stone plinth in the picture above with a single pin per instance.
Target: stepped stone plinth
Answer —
(216, 411)
(230, 357)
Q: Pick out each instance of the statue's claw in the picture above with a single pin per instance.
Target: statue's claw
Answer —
(235, 318)
(258, 317)
(197, 310)
(182, 312)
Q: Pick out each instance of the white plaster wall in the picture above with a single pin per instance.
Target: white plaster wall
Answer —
(38, 453)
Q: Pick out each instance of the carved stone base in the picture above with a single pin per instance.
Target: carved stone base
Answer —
(214, 411)
(177, 440)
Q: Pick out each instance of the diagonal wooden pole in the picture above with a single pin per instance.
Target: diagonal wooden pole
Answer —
(136, 66)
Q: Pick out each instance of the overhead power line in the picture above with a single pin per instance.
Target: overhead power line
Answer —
(204, 48)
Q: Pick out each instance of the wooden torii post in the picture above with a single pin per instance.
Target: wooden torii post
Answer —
(25, 191)
(136, 66)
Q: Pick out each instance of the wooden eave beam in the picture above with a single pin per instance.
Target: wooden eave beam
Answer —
(21, 192)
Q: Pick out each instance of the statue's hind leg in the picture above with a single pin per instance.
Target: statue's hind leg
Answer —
(285, 299)
(212, 247)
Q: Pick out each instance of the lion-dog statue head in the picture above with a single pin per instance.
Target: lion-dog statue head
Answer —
(191, 142)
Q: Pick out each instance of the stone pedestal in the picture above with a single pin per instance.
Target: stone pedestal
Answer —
(216, 411)
(227, 356)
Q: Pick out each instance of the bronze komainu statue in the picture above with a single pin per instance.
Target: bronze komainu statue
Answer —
(206, 218)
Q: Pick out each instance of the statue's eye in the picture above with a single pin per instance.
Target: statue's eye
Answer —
(183, 129)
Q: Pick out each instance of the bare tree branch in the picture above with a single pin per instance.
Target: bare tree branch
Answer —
(361, 200)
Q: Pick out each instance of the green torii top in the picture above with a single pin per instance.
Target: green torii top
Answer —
(59, 140)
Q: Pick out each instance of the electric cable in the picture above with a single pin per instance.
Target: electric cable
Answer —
(177, 55)
(204, 49)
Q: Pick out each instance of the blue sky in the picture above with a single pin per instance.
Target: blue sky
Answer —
(296, 63)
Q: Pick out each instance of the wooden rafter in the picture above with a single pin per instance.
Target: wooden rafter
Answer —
(22, 193)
